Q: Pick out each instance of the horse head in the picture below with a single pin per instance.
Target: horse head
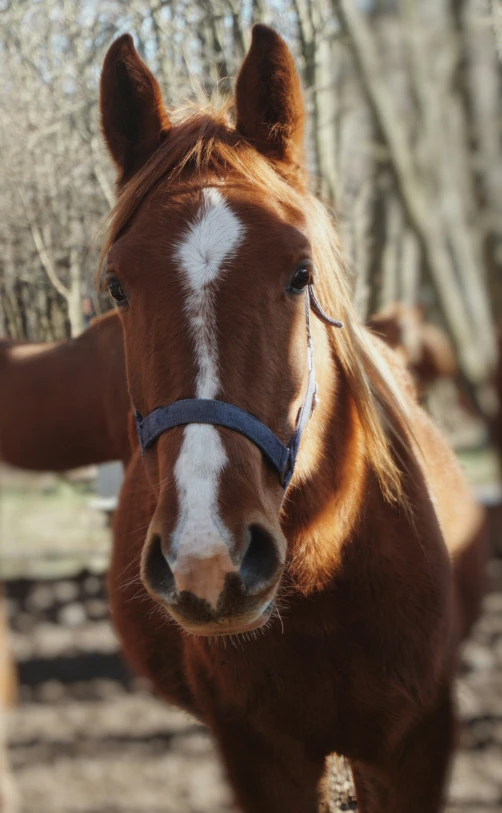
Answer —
(215, 253)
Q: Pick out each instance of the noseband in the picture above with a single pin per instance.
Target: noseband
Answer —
(220, 413)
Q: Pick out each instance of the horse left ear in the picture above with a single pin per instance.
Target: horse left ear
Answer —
(133, 117)
(269, 99)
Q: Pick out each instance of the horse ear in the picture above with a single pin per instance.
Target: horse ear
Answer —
(269, 100)
(133, 118)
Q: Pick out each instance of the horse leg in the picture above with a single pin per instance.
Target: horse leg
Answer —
(413, 777)
(271, 776)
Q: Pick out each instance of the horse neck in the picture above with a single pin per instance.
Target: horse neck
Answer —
(73, 397)
(327, 499)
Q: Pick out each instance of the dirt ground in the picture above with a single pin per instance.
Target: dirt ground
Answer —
(88, 737)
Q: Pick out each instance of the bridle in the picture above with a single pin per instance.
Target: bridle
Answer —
(221, 413)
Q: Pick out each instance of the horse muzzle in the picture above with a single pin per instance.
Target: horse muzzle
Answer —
(210, 590)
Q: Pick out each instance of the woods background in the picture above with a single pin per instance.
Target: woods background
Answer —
(404, 143)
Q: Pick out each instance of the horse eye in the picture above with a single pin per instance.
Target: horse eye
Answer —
(117, 292)
(302, 277)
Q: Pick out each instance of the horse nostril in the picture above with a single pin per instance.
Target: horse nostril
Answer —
(261, 561)
(156, 570)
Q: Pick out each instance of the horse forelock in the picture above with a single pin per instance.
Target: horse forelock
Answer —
(204, 150)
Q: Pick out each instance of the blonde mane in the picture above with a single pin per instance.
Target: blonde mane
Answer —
(203, 142)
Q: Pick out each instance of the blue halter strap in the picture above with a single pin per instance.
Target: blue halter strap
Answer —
(220, 413)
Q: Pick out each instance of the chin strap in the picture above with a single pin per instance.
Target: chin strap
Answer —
(220, 413)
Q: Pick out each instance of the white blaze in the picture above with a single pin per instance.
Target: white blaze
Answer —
(209, 241)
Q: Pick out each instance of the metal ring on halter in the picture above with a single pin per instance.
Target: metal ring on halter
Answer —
(220, 413)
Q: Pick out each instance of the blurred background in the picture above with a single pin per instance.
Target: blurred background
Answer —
(404, 145)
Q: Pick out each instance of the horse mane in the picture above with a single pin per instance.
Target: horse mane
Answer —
(204, 143)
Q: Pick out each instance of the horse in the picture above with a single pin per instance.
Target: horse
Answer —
(59, 406)
(65, 404)
(497, 422)
(8, 695)
(76, 404)
(290, 543)
(425, 348)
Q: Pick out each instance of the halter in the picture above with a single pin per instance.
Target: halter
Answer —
(220, 413)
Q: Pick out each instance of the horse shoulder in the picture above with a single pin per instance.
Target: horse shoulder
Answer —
(459, 514)
(461, 518)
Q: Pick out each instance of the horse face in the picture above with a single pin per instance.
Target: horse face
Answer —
(210, 281)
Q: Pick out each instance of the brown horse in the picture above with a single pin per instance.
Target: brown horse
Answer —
(65, 404)
(8, 690)
(497, 424)
(76, 404)
(295, 622)
(423, 347)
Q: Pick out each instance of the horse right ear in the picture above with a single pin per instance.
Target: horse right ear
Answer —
(133, 117)
(269, 99)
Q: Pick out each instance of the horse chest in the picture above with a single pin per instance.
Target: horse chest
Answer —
(301, 687)
(332, 692)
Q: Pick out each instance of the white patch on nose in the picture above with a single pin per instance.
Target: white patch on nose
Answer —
(210, 240)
